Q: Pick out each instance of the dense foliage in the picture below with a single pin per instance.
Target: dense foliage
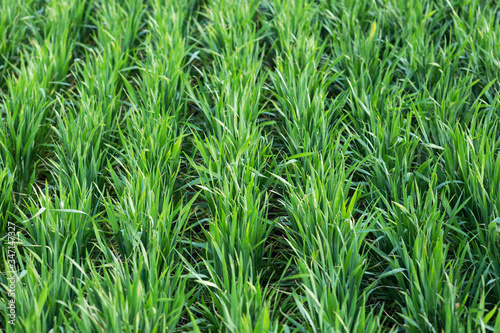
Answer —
(250, 165)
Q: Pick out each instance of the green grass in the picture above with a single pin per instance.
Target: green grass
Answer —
(250, 165)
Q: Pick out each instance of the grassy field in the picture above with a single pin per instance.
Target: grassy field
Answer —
(250, 166)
